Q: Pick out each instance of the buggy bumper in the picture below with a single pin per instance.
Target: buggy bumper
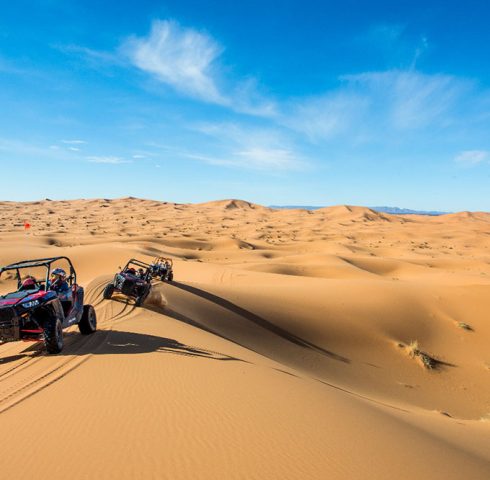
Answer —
(9, 325)
(131, 289)
(10, 332)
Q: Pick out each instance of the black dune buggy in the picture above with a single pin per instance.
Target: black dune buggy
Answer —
(35, 312)
(133, 281)
(162, 268)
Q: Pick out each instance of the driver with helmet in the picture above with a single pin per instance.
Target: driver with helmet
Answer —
(59, 284)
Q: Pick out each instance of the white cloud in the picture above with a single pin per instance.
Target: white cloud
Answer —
(419, 100)
(393, 43)
(374, 104)
(108, 160)
(92, 57)
(21, 149)
(397, 106)
(472, 157)
(326, 116)
(409, 99)
(255, 159)
(245, 98)
(252, 148)
(422, 47)
(182, 58)
(266, 158)
(187, 60)
(73, 142)
(24, 149)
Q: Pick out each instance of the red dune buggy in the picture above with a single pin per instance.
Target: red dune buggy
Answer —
(36, 311)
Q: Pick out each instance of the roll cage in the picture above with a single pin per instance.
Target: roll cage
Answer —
(159, 260)
(71, 278)
(140, 264)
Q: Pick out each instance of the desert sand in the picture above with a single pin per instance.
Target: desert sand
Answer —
(284, 349)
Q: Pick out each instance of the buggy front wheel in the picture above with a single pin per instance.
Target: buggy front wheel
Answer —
(88, 323)
(108, 291)
(53, 335)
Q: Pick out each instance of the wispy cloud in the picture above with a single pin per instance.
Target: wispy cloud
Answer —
(394, 44)
(410, 99)
(73, 142)
(18, 148)
(182, 58)
(374, 104)
(188, 61)
(327, 116)
(256, 159)
(471, 158)
(420, 50)
(265, 158)
(13, 148)
(251, 148)
(376, 107)
(108, 160)
(94, 58)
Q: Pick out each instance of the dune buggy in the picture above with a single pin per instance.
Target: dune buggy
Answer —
(162, 268)
(38, 313)
(133, 281)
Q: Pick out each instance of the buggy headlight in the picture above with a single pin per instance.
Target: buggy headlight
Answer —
(30, 304)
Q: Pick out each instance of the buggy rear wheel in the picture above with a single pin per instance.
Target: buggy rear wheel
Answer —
(53, 335)
(88, 323)
(170, 276)
(108, 291)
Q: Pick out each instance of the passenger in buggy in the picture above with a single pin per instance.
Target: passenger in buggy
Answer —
(29, 283)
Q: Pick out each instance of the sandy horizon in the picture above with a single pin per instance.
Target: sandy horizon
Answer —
(237, 201)
(338, 343)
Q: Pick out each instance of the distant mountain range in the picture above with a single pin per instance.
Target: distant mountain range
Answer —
(392, 210)
(407, 211)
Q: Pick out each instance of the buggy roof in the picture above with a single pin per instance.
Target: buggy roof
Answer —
(40, 262)
(139, 263)
(163, 259)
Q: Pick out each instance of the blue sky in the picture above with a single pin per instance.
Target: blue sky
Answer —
(278, 102)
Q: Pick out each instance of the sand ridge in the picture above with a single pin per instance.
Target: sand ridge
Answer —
(284, 349)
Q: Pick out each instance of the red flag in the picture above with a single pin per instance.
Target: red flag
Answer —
(27, 225)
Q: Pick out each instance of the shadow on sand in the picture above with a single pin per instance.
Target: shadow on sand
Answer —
(114, 342)
(119, 342)
(250, 316)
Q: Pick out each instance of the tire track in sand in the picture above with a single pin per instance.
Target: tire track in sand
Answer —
(32, 373)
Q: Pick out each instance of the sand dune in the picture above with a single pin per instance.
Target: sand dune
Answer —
(285, 348)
